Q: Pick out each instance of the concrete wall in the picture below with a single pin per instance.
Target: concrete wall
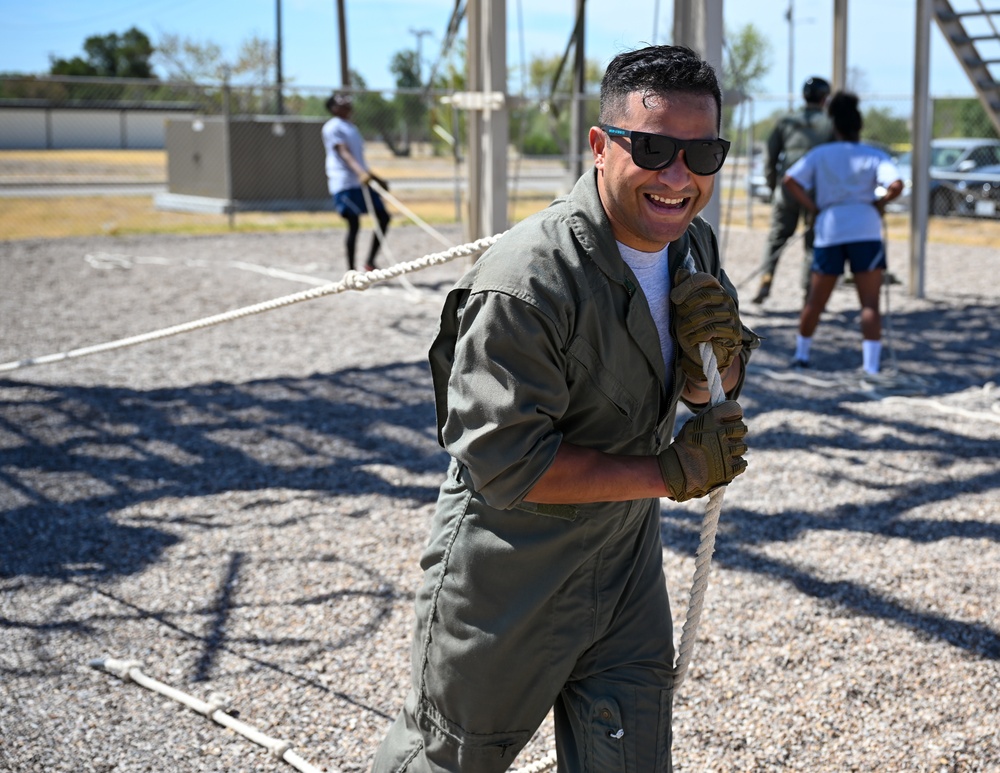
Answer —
(56, 129)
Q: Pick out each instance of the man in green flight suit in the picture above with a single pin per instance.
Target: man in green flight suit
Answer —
(557, 369)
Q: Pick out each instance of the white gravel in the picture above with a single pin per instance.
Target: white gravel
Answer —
(241, 509)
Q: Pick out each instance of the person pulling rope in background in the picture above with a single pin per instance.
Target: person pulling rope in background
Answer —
(835, 183)
(348, 177)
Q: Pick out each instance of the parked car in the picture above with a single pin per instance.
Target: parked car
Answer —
(955, 164)
(981, 192)
(757, 185)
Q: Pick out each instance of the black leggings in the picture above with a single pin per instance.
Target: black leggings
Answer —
(353, 225)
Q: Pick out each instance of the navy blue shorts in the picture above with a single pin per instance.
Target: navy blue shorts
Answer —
(352, 200)
(861, 256)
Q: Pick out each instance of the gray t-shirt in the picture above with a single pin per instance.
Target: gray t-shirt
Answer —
(653, 272)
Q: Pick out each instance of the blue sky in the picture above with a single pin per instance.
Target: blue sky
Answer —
(880, 34)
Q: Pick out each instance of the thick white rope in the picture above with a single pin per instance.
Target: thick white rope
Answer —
(352, 280)
(214, 709)
(409, 213)
(709, 523)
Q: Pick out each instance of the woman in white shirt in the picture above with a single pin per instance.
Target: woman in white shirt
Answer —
(836, 183)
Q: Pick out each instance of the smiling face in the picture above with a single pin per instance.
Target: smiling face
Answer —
(649, 209)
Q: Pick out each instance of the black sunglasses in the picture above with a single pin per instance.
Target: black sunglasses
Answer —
(658, 151)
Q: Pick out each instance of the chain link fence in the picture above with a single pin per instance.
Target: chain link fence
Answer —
(79, 155)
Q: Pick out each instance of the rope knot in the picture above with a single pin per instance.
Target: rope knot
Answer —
(355, 280)
(216, 702)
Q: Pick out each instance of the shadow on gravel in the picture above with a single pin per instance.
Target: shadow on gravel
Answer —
(945, 350)
(70, 455)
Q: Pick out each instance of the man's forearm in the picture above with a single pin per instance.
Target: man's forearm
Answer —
(580, 475)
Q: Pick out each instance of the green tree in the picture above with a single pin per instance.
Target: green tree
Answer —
(188, 59)
(411, 108)
(961, 117)
(253, 69)
(746, 61)
(110, 56)
(543, 122)
(882, 127)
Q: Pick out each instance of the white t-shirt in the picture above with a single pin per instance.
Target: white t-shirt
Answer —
(652, 269)
(339, 175)
(842, 177)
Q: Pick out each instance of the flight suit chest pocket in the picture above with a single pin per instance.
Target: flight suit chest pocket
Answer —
(606, 381)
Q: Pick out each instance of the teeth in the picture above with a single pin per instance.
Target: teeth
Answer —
(662, 200)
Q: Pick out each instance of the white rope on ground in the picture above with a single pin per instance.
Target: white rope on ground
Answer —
(352, 280)
(380, 235)
(214, 709)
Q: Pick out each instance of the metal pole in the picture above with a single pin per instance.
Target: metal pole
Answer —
(497, 121)
(280, 102)
(227, 148)
(839, 45)
(920, 166)
(750, 149)
(420, 47)
(790, 15)
(474, 123)
(579, 81)
(698, 24)
(345, 72)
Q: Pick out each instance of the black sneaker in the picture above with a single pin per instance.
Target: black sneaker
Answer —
(764, 290)
(798, 364)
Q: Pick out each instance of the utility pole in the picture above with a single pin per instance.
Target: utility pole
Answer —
(420, 59)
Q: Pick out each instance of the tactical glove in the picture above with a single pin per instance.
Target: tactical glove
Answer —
(706, 453)
(704, 313)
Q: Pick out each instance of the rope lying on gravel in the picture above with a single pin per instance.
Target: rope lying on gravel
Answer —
(352, 280)
(214, 709)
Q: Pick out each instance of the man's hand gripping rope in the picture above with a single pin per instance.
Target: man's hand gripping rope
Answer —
(708, 449)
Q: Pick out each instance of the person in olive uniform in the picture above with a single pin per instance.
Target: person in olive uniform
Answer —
(557, 369)
(793, 136)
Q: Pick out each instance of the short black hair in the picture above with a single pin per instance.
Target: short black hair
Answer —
(337, 99)
(656, 71)
(843, 111)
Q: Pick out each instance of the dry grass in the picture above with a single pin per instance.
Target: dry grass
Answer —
(59, 217)
(53, 167)
(65, 216)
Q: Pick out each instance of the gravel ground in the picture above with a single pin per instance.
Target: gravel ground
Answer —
(241, 509)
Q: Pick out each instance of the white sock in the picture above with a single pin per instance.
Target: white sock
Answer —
(802, 346)
(871, 354)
